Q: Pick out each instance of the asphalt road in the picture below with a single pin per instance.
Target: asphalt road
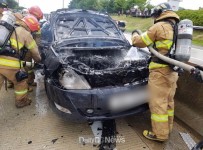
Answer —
(196, 52)
(37, 127)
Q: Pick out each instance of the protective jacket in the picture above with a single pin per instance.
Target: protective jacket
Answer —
(23, 40)
(160, 34)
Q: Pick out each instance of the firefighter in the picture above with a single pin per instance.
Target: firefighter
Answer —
(162, 79)
(38, 14)
(3, 5)
(20, 40)
(36, 11)
(19, 21)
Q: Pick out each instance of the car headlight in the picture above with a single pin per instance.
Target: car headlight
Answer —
(71, 80)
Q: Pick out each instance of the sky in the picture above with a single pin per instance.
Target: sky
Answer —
(46, 5)
(52, 5)
(187, 4)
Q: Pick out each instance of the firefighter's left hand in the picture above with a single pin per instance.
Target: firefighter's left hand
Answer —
(133, 36)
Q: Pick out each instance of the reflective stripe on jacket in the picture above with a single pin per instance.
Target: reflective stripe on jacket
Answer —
(10, 63)
(154, 65)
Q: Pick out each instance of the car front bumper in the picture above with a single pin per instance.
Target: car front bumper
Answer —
(92, 105)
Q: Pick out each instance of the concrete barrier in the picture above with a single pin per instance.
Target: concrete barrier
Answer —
(189, 102)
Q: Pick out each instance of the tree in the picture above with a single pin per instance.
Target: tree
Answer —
(120, 5)
(85, 4)
(111, 8)
(104, 5)
(74, 4)
(12, 4)
(131, 3)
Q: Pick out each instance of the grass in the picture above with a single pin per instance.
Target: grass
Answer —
(133, 23)
(198, 38)
(143, 24)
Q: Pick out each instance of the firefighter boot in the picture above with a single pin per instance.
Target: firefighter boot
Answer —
(30, 89)
(10, 85)
(151, 136)
(24, 102)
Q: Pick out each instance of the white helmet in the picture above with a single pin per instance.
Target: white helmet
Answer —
(25, 11)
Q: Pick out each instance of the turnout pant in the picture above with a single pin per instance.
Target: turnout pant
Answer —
(21, 88)
(162, 86)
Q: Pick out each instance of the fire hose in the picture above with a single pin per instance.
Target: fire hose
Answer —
(196, 72)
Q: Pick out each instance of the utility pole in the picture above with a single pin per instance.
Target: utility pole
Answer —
(63, 3)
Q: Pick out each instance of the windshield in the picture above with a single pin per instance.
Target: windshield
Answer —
(85, 25)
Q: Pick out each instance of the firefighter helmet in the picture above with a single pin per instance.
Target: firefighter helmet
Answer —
(32, 23)
(36, 11)
(159, 9)
(25, 11)
(3, 4)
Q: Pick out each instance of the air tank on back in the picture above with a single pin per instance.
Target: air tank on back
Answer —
(184, 40)
(6, 26)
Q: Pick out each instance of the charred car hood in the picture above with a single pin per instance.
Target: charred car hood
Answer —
(91, 45)
(100, 67)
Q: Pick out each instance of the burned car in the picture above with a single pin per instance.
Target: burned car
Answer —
(91, 70)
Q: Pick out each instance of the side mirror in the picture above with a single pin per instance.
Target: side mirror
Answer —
(121, 25)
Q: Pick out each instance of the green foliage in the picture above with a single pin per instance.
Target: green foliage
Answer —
(195, 15)
(12, 4)
(131, 3)
(86, 4)
(120, 5)
(110, 6)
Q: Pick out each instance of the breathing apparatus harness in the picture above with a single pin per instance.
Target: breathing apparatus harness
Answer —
(181, 45)
(21, 74)
(7, 50)
(170, 53)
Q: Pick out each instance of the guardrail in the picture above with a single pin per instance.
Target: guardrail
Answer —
(197, 27)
